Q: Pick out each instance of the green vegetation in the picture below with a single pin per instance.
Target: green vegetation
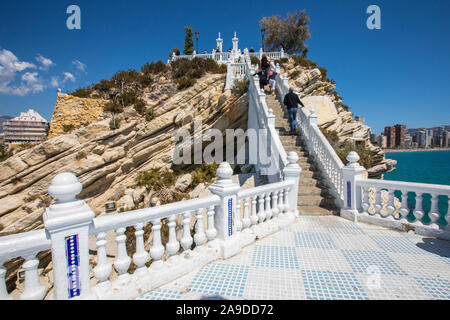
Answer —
(332, 137)
(295, 74)
(81, 155)
(255, 60)
(205, 173)
(68, 127)
(139, 106)
(81, 93)
(185, 72)
(289, 33)
(366, 156)
(188, 41)
(323, 72)
(174, 50)
(4, 153)
(154, 68)
(113, 107)
(240, 86)
(156, 179)
(114, 123)
(150, 114)
(301, 60)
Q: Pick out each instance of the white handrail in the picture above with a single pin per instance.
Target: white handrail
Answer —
(131, 218)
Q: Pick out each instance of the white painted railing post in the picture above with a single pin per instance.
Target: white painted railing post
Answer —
(225, 211)
(67, 222)
(271, 119)
(292, 172)
(282, 52)
(352, 195)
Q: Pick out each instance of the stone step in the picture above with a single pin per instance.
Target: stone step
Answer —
(314, 200)
(310, 191)
(316, 211)
(305, 182)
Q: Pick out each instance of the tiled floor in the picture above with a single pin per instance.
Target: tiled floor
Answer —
(324, 258)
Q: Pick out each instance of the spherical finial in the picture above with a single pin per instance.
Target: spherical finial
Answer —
(353, 158)
(292, 157)
(270, 112)
(65, 187)
(59, 90)
(313, 112)
(224, 172)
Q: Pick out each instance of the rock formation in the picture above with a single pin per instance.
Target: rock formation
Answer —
(320, 93)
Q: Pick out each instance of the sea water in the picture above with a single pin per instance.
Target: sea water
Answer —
(431, 167)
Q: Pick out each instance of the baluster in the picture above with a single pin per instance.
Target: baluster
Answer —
(286, 201)
(434, 211)
(275, 209)
(404, 210)
(447, 214)
(254, 216)
(186, 240)
(418, 211)
(33, 290)
(3, 291)
(281, 204)
(261, 212)
(268, 208)
(246, 220)
(390, 208)
(157, 249)
(103, 269)
(211, 231)
(123, 261)
(365, 199)
(200, 235)
(378, 205)
(172, 246)
(237, 216)
(141, 256)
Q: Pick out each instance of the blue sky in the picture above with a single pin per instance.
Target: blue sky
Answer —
(399, 74)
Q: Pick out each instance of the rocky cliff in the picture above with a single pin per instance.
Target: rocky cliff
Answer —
(319, 93)
(74, 112)
(107, 161)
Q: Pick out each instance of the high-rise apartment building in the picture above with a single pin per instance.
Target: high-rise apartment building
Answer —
(389, 133)
(400, 135)
(29, 127)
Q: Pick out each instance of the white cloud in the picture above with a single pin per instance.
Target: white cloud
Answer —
(54, 82)
(68, 77)
(80, 65)
(46, 62)
(10, 65)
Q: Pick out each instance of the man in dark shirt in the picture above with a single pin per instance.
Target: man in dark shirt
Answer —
(291, 101)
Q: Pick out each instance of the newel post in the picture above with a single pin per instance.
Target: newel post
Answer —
(67, 222)
(292, 172)
(224, 212)
(352, 195)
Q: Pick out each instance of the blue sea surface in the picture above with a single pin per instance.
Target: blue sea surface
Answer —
(424, 167)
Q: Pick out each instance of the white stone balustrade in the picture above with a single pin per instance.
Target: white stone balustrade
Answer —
(375, 201)
(70, 222)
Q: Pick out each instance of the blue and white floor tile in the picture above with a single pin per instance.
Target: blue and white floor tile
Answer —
(324, 258)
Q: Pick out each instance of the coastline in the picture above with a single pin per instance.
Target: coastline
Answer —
(414, 150)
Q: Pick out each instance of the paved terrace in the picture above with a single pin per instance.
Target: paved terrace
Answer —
(323, 258)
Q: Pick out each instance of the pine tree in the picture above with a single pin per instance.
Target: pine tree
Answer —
(189, 41)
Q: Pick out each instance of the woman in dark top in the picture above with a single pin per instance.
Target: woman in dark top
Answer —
(265, 62)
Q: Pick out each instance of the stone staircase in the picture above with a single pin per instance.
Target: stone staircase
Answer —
(314, 198)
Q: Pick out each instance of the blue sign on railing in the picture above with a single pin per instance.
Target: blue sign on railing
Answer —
(230, 217)
(73, 266)
(349, 194)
